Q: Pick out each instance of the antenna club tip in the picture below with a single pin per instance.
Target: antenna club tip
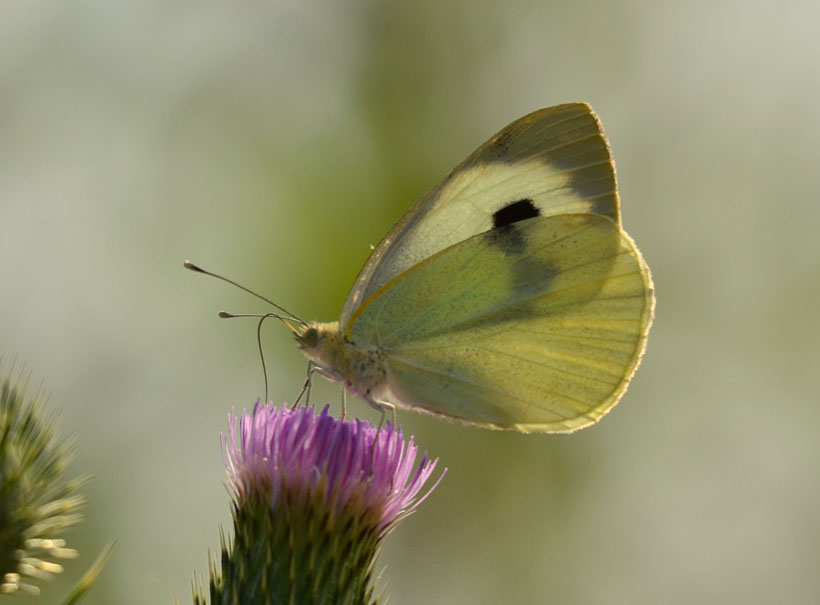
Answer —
(189, 265)
(225, 315)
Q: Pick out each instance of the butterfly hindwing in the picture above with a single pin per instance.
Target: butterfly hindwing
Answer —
(535, 325)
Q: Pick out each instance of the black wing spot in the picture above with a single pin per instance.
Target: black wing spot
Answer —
(515, 212)
(505, 233)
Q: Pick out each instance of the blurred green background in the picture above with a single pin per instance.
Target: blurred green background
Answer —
(276, 141)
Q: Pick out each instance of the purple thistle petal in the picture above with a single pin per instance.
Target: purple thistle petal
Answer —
(295, 451)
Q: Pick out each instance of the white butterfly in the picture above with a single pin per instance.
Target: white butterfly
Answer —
(508, 296)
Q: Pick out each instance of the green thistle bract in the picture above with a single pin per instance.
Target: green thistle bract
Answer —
(37, 504)
(313, 498)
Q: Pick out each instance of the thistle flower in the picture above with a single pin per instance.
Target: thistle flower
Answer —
(313, 498)
(37, 504)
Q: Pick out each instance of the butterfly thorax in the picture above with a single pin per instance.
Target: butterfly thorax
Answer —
(360, 370)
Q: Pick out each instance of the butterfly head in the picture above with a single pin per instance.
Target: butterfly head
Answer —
(307, 336)
(314, 338)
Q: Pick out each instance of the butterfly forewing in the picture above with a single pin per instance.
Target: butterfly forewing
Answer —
(557, 159)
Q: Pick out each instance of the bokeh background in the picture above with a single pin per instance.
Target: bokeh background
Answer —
(276, 141)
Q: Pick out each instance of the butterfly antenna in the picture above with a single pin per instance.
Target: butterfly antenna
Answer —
(262, 318)
(262, 354)
(192, 267)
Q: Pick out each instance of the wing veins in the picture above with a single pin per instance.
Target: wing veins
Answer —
(561, 145)
(544, 192)
(485, 388)
(545, 365)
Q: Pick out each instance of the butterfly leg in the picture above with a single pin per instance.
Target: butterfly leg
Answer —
(382, 407)
(305, 391)
(388, 406)
(315, 368)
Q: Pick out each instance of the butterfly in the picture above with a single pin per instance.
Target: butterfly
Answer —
(508, 297)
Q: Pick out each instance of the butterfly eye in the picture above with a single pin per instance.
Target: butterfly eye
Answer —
(310, 338)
